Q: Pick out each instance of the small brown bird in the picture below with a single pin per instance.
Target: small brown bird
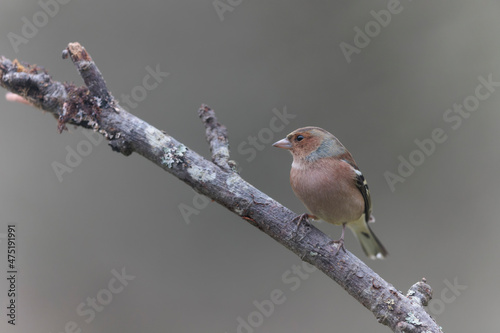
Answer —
(325, 177)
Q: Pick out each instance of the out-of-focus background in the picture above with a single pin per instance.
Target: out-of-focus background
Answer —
(411, 88)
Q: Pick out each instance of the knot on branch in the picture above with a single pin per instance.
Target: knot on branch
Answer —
(121, 145)
(404, 327)
(420, 292)
(79, 107)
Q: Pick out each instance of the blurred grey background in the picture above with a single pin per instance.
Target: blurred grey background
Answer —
(246, 59)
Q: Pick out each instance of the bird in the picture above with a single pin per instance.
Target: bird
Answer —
(325, 177)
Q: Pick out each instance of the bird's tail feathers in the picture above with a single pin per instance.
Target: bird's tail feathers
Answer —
(372, 247)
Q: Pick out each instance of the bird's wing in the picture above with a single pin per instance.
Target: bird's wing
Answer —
(362, 186)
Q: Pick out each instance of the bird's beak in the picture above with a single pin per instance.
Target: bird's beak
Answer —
(285, 144)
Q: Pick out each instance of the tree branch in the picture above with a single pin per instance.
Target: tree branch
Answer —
(94, 107)
(216, 137)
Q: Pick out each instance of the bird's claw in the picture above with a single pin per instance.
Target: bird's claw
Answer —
(340, 242)
(299, 219)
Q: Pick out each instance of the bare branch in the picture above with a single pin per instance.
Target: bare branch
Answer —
(216, 137)
(93, 106)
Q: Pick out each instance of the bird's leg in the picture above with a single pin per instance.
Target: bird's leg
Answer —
(301, 218)
(340, 241)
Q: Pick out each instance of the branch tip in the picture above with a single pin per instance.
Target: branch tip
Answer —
(77, 52)
(90, 74)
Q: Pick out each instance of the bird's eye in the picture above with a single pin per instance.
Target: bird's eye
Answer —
(299, 138)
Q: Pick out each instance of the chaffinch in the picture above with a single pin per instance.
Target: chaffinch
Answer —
(325, 177)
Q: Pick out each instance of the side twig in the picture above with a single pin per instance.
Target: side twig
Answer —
(94, 107)
(216, 137)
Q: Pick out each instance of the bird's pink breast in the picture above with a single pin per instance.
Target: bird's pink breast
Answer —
(327, 188)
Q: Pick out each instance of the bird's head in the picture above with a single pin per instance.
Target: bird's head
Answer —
(311, 143)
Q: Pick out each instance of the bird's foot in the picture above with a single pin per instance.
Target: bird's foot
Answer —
(300, 218)
(340, 242)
